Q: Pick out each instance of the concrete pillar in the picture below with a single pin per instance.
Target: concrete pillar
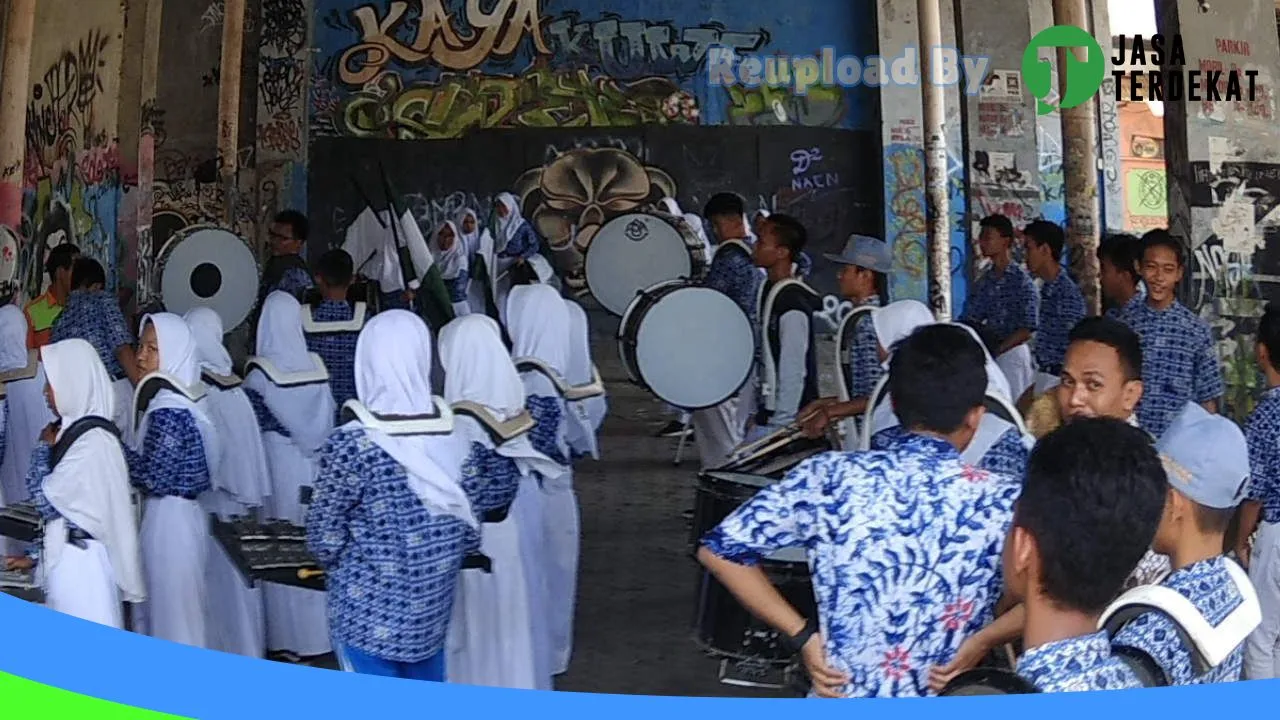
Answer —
(935, 162)
(1111, 187)
(19, 26)
(961, 257)
(1049, 130)
(229, 102)
(1080, 167)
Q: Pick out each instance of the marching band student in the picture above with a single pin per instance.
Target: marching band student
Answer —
(719, 430)
(1261, 513)
(42, 312)
(1003, 303)
(1093, 496)
(241, 486)
(93, 314)
(585, 415)
(1118, 260)
(286, 270)
(1181, 360)
(787, 371)
(390, 522)
(27, 412)
(861, 515)
(333, 325)
(451, 256)
(1206, 459)
(481, 262)
(79, 481)
(518, 244)
(289, 389)
(492, 638)
(539, 325)
(174, 458)
(1061, 302)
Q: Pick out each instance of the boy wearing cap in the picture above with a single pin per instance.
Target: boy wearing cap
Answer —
(1207, 462)
(864, 268)
(1061, 302)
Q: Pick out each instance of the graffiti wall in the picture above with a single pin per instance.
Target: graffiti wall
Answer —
(72, 174)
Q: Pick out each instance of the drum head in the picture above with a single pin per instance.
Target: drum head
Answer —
(631, 253)
(694, 348)
(209, 267)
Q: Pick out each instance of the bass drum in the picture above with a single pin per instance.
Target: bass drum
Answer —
(637, 251)
(691, 346)
(207, 266)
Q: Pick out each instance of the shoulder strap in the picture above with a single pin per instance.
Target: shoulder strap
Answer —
(988, 681)
(311, 326)
(729, 245)
(499, 431)
(529, 364)
(73, 433)
(222, 382)
(1145, 667)
(769, 380)
(149, 386)
(848, 322)
(595, 388)
(318, 374)
(438, 423)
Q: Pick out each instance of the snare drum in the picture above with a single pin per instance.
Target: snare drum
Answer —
(691, 346)
(637, 251)
(719, 494)
(726, 629)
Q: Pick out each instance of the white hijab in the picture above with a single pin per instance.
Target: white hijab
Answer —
(179, 361)
(670, 206)
(28, 412)
(243, 471)
(510, 225)
(896, 321)
(585, 416)
(478, 240)
(393, 377)
(306, 411)
(452, 262)
(538, 322)
(90, 486)
(478, 369)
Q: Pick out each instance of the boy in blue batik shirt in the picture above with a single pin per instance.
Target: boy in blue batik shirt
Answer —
(333, 328)
(1208, 465)
(1093, 496)
(903, 543)
(1003, 304)
(1180, 360)
(1061, 303)
(1118, 260)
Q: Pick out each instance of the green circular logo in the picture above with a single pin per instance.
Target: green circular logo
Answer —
(1082, 78)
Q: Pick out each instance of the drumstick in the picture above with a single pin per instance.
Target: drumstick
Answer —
(308, 574)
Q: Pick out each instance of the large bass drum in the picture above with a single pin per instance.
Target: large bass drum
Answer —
(637, 251)
(691, 346)
(207, 266)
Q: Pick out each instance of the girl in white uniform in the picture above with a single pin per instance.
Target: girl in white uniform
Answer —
(237, 621)
(27, 412)
(586, 415)
(91, 559)
(492, 637)
(289, 389)
(174, 458)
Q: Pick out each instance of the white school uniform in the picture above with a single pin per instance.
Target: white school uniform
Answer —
(585, 415)
(28, 414)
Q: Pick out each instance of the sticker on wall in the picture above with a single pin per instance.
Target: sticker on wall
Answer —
(1003, 85)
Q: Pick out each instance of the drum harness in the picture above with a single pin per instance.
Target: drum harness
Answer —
(499, 432)
(1208, 645)
(769, 380)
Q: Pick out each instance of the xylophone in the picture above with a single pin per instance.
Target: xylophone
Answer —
(22, 585)
(21, 521)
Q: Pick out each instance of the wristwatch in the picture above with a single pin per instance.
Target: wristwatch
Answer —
(797, 642)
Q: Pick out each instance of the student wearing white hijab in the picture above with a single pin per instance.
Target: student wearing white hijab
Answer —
(91, 559)
(241, 486)
(539, 324)
(451, 257)
(492, 638)
(173, 462)
(519, 247)
(587, 403)
(483, 262)
(289, 389)
(27, 411)
(390, 521)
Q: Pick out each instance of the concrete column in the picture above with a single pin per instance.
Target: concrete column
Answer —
(1111, 189)
(229, 103)
(939, 238)
(961, 257)
(1049, 130)
(19, 27)
(1080, 166)
(901, 114)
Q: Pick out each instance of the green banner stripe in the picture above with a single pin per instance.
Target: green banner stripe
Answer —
(32, 701)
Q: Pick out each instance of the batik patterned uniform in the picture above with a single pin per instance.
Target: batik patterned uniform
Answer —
(392, 565)
(525, 245)
(294, 281)
(863, 359)
(94, 316)
(904, 550)
(547, 414)
(267, 421)
(337, 350)
(1263, 435)
(458, 286)
(166, 466)
(1061, 307)
(1008, 456)
(35, 485)
(1211, 589)
(1079, 664)
(1002, 303)
(733, 273)
(489, 480)
(1179, 362)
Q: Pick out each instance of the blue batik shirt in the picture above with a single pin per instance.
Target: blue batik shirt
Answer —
(1002, 303)
(267, 420)
(1078, 664)
(392, 565)
(1008, 456)
(1210, 588)
(1263, 434)
(172, 461)
(337, 350)
(735, 274)
(1061, 307)
(294, 281)
(490, 480)
(548, 415)
(1179, 362)
(863, 358)
(94, 316)
(35, 485)
(457, 286)
(525, 244)
(904, 552)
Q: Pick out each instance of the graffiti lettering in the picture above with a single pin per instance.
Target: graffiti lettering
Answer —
(279, 81)
(281, 135)
(539, 98)
(284, 25)
(626, 49)
(435, 40)
(67, 91)
(822, 107)
(801, 159)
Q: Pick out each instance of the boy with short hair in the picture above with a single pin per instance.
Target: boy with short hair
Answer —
(1118, 260)
(1003, 303)
(333, 324)
(1061, 302)
(43, 312)
(1180, 359)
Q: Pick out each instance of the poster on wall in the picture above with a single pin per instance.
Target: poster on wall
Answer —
(1002, 85)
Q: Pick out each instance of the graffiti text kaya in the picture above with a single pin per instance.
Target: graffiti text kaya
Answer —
(435, 40)
(632, 48)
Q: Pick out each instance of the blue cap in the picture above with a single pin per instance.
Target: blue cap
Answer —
(865, 252)
(1206, 457)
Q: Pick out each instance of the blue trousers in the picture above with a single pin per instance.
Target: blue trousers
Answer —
(352, 660)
